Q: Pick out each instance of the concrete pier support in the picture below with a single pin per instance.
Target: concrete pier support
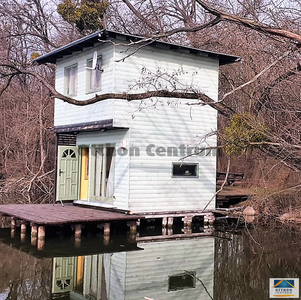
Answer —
(164, 222)
(41, 237)
(23, 227)
(77, 235)
(13, 222)
(187, 221)
(170, 222)
(13, 228)
(34, 230)
(34, 234)
(23, 231)
(78, 231)
(2, 220)
(41, 232)
(41, 244)
(209, 219)
(187, 224)
(106, 229)
(106, 233)
(133, 227)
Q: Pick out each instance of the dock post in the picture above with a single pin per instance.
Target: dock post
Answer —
(170, 226)
(187, 224)
(138, 223)
(23, 231)
(106, 229)
(106, 233)
(133, 230)
(41, 237)
(34, 230)
(187, 221)
(13, 228)
(78, 231)
(34, 234)
(77, 235)
(2, 220)
(23, 226)
(13, 222)
(170, 222)
(211, 219)
(133, 226)
(41, 232)
(164, 223)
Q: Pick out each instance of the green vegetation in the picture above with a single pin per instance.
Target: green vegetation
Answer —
(244, 132)
(88, 15)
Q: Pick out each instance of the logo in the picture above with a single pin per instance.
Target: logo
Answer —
(284, 288)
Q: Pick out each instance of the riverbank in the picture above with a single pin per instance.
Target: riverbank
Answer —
(281, 205)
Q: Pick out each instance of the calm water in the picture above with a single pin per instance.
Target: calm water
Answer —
(231, 264)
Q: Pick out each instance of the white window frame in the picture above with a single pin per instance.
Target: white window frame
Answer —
(94, 77)
(71, 80)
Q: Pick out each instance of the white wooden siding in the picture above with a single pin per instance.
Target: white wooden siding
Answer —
(151, 176)
(167, 123)
(66, 114)
(115, 266)
(121, 178)
(199, 73)
(147, 271)
(162, 122)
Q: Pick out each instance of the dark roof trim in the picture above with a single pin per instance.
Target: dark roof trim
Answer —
(104, 35)
(89, 126)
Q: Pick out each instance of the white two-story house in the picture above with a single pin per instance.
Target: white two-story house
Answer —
(128, 154)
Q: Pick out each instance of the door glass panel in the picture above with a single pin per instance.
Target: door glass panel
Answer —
(103, 173)
(98, 171)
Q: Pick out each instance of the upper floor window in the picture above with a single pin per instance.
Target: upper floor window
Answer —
(94, 75)
(71, 80)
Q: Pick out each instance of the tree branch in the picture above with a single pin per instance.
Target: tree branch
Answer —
(255, 77)
(204, 99)
(139, 15)
(249, 23)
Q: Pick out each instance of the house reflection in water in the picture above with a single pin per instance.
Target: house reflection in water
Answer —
(174, 269)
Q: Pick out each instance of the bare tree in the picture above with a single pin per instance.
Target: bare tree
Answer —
(265, 86)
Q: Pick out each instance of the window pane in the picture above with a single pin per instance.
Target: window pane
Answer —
(71, 80)
(94, 76)
(185, 169)
(98, 172)
(181, 281)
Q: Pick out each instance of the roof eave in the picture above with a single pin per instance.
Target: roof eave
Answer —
(93, 38)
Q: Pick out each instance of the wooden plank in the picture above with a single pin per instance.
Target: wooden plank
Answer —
(48, 214)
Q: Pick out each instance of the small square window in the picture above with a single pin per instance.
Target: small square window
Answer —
(71, 80)
(181, 281)
(94, 76)
(185, 169)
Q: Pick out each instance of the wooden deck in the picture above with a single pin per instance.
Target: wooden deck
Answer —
(40, 216)
(48, 214)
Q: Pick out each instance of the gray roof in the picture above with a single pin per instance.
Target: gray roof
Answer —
(103, 35)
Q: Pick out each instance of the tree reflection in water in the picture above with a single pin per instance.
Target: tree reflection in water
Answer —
(244, 262)
(234, 265)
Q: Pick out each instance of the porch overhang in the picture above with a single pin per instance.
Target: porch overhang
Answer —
(88, 126)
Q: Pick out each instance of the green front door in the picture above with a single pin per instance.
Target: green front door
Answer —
(64, 274)
(67, 175)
